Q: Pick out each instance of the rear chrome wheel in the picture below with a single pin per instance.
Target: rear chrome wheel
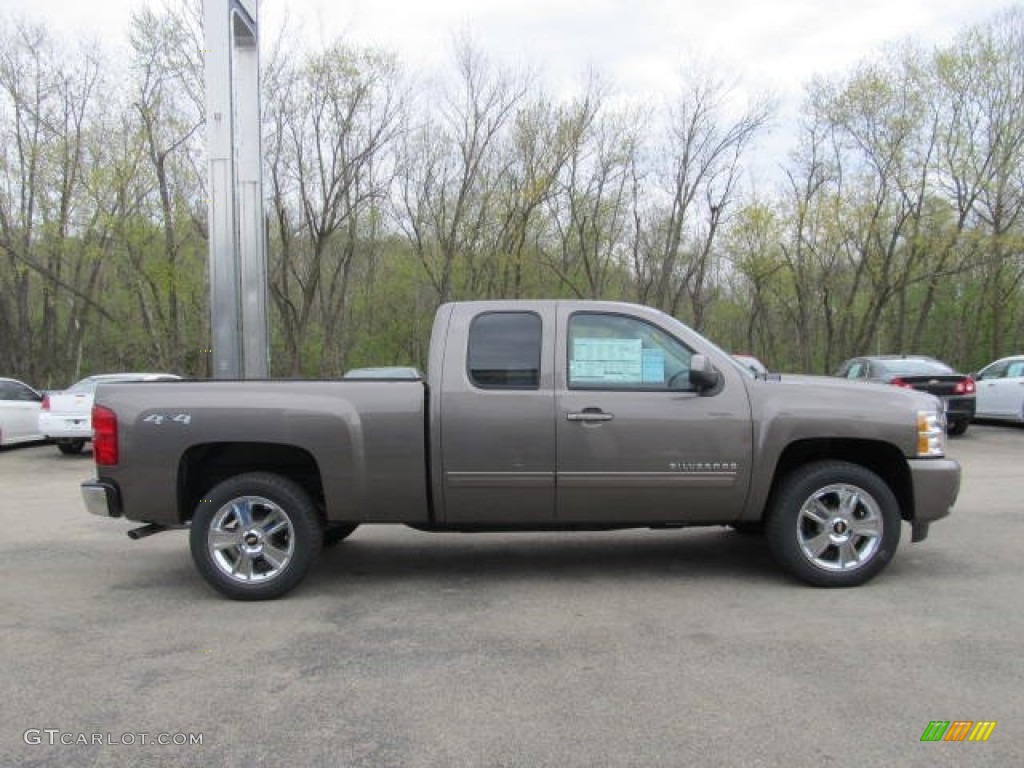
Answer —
(251, 539)
(834, 524)
(255, 536)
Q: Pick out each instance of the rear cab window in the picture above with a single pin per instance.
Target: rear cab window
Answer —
(504, 350)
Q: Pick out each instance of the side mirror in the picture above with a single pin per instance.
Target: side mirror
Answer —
(703, 375)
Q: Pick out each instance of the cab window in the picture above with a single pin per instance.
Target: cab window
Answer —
(617, 352)
(504, 350)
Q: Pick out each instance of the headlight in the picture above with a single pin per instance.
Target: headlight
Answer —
(931, 433)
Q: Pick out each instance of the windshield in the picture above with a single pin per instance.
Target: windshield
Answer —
(88, 385)
(84, 387)
(915, 367)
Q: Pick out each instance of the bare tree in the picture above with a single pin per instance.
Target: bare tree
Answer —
(167, 101)
(699, 167)
(330, 120)
(47, 291)
(452, 170)
(592, 213)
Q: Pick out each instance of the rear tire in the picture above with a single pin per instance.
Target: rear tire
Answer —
(255, 536)
(957, 427)
(834, 524)
(71, 447)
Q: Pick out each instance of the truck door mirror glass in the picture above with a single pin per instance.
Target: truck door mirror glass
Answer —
(703, 375)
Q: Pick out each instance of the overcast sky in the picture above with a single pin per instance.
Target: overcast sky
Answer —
(640, 45)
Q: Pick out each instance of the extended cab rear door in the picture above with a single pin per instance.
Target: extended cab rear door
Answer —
(496, 416)
(635, 443)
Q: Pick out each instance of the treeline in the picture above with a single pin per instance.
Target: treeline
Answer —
(899, 225)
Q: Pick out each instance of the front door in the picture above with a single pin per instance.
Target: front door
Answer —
(635, 443)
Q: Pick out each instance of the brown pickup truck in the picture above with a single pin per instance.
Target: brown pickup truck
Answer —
(535, 415)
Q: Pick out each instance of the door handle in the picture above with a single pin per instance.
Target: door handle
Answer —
(589, 414)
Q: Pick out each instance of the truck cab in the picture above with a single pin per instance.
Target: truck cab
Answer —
(595, 422)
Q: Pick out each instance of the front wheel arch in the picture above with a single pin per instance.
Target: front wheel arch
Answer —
(882, 458)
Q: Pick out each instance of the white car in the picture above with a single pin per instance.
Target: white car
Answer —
(66, 417)
(19, 412)
(1000, 390)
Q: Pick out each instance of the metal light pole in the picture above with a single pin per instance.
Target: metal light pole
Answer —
(238, 261)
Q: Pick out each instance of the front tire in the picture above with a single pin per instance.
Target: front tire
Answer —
(834, 524)
(254, 536)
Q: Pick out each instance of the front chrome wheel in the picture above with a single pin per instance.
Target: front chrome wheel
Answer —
(251, 539)
(839, 527)
(833, 523)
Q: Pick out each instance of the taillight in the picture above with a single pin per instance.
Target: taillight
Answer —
(898, 382)
(46, 403)
(104, 436)
(965, 387)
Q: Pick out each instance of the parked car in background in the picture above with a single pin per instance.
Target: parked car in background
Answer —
(66, 417)
(925, 374)
(19, 412)
(1001, 390)
(752, 364)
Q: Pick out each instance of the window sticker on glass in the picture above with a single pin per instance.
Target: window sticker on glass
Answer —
(654, 366)
(604, 361)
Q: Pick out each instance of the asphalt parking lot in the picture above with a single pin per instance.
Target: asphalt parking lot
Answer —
(635, 648)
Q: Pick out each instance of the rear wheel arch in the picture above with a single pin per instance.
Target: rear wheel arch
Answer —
(205, 466)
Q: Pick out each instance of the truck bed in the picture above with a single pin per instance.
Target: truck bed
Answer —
(365, 439)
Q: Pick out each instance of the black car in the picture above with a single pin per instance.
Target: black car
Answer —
(926, 374)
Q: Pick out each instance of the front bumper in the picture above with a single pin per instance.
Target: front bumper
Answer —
(101, 498)
(935, 484)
